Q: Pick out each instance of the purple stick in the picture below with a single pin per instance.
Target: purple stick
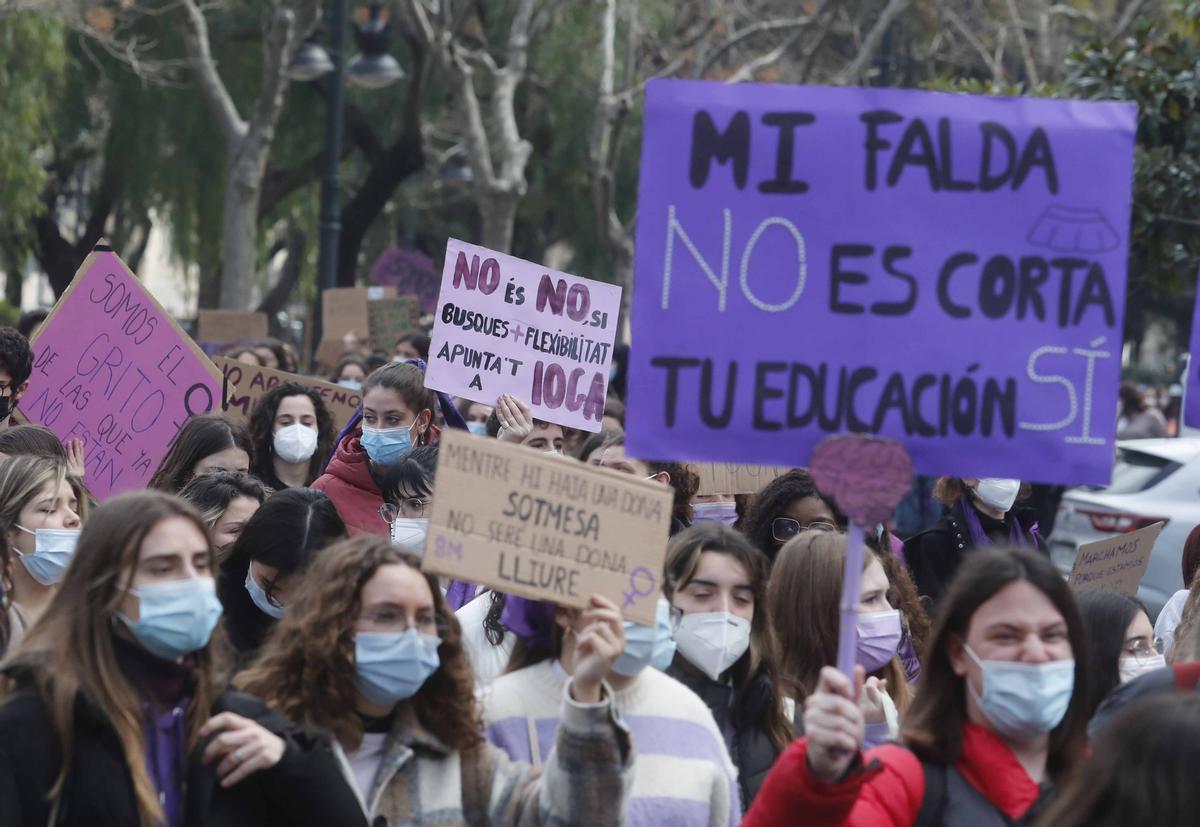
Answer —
(851, 586)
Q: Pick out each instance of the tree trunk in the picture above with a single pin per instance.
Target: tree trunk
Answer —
(239, 226)
(498, 214)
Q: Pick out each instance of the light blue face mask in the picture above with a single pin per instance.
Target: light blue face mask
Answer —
(648, 645)
(386, 445)
(54, 548)
(259, 597)
(175, 618)
(351, 384)
(477, 428)
(391, 667)
(1024, 700)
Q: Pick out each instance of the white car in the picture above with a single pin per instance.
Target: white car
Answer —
(1153, 479)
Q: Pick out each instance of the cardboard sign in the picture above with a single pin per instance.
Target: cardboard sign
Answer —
(389, 319)
(720, 478)
(230, 326)
(344, 310)
(1114, 564)
(248, 383)
(546, 527)
(114, 369)
(505, 325)
(945, 270)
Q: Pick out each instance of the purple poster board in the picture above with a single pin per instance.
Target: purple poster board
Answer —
(944, 270)
(1191, 383)
(506, 325)
(110, 366)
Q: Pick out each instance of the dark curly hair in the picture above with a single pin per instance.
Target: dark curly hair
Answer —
(773, 500)
(262, 430)
(306, 669)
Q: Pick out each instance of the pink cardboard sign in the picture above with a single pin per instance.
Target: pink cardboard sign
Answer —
(505, 325)
(110, 366)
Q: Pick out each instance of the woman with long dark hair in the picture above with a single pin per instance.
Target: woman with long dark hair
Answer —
(1000, 717)
(1121, 639)
(293, 434)
(725, 650)
(204, 444)
(371, 652)
(256, 580)
(112, 712)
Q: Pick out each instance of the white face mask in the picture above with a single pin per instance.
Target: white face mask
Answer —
(712, 641)
(1131, 668)
(410, 532)
(998, 493)
(295, 443)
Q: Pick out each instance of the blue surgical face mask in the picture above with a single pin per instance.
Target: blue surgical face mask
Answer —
(259, 597)
(477, 428)
(391, 667)
(352, 384)
(1024, 700)
(723, 513)
(386, 445)
(175, 618)
(54, 548)
(648, 645)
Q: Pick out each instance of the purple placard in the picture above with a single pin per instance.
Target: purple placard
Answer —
(111, 367)
(1191, 383)
(944, 270)
(506, 325)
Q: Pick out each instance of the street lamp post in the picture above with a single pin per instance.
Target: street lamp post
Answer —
(374, 68)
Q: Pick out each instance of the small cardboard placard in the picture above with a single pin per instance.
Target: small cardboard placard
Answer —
(545, 527)
(391, 318)
(724, 478)
(1115, 564)
(248, 383)
(344, 310)
(111, 367)
(230, 326)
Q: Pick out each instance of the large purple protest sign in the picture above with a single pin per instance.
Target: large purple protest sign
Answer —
(112, 368)
(1191, 384)
(506, 325)
(944, 270)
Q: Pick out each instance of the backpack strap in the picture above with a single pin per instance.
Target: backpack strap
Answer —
(933, 803)
(1187, 675)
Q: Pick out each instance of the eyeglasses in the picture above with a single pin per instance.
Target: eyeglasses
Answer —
(1144, 651)
(785, 528)
(390, 620)
(408, 507)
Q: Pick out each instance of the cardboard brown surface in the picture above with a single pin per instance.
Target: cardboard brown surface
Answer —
(344, 309)
(248, 383)
(1115, 564)
(720, 478)
(230, 326)
(546, 527)
(391, 318)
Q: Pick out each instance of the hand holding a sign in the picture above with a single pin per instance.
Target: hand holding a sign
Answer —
(833, 723)
(516, 420)
(597, 648)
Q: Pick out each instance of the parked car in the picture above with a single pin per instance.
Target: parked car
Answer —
(1153, 479)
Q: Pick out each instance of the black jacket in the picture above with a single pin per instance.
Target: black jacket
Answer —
(306, 787)
(934, 555)
(750, 747)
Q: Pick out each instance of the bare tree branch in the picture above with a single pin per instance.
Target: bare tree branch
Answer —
(748, 32)
(1031, 69)
(207, 77)
(866, 52)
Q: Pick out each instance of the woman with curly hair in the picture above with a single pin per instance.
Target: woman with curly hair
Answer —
(371, 652)
(293, 435)
(786, 506)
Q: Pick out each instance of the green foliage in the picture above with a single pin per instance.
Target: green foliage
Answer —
(31, 70)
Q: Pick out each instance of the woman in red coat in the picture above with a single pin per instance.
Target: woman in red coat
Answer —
(999, 716)
(397, 415)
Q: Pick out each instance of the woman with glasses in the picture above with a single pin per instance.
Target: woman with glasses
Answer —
(812, 564)
(716, 581)
(786, 506)
(1121, 640)
(373, 655)
(256, 579)
(408, 497)
(683, 480)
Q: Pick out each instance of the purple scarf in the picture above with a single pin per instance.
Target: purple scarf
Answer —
(979, 537)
